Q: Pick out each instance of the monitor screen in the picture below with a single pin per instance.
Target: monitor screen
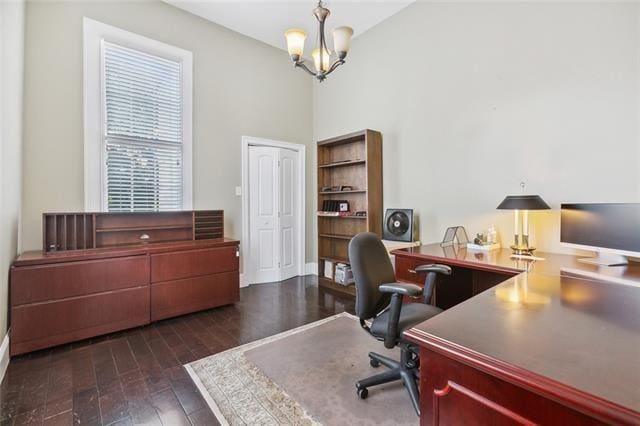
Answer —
(614, 226)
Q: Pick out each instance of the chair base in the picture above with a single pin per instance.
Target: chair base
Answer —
(407, 370)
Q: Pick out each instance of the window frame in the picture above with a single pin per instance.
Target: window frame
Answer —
(94, 33)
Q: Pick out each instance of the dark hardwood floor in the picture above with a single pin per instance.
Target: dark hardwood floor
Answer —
(136, 376)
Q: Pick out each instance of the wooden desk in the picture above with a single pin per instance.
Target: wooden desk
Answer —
(541, 346)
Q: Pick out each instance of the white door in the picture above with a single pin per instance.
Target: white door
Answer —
(289, 181)
(263, 213)
(273, 214)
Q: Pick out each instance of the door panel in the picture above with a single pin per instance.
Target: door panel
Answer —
(289, 203)
(266, 239)
(266, 184)
(287, 245)
(263, 215)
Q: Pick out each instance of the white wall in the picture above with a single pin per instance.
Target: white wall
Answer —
(472, 98)
(241, 87)
(11, 69)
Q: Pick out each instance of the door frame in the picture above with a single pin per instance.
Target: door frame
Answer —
(301, 149)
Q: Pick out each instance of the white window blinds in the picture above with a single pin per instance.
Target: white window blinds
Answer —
(142, 136)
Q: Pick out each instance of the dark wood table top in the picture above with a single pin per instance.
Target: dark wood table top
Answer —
(576, 336)
(502, 262)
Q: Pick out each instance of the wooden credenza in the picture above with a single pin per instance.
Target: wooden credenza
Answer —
(68, 296)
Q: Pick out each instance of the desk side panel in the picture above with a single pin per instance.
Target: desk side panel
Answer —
(452, 393)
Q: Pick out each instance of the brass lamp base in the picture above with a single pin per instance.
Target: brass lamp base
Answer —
(523, 250)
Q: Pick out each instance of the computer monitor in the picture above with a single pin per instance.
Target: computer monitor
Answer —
(611, 229)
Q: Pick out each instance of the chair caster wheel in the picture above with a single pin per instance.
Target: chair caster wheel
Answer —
(363, 393)
(374, 363)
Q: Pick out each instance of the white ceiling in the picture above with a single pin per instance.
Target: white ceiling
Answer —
(267, 20)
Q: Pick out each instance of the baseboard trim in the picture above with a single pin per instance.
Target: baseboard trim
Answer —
(4, 356)
(243, 283)
(311, 268)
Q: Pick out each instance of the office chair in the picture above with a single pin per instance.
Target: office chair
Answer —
(379, 299)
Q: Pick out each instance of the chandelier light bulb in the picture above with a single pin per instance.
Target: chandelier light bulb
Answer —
(295, 42)
(342, 40)
(326, 59)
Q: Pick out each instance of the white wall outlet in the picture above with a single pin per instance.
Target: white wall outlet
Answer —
(239, 191)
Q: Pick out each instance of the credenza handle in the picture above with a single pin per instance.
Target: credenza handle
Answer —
(412, 271)
(144, 237)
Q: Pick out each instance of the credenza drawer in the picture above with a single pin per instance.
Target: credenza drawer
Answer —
(193, 263)
(69, 279)
(171, 298)
(41, 325)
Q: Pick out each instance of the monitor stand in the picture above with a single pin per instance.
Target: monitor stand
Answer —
(602, 259)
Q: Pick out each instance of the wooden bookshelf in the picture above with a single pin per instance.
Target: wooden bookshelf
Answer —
(353, 160)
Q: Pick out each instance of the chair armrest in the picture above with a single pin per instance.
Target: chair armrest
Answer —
(435, 267)
(397, 291)
(404, 289)
(432, 271)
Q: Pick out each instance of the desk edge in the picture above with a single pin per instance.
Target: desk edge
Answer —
(458, 262)
(581, 401)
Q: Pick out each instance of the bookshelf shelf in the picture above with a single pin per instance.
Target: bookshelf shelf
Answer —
(336, 236)
(341, 217)
(342, 164)
(353, 191)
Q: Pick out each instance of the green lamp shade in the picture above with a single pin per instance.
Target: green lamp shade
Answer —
(523, 202)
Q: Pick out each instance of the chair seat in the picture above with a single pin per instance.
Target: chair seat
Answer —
(411, 314)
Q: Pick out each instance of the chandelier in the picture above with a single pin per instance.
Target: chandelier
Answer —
(321, 54)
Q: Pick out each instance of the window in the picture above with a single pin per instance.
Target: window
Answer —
(137, 122)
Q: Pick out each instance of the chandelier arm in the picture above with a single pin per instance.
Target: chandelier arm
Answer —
(302, 65)
(335, 65)
(321, 38)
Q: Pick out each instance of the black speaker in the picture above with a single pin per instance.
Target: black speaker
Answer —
(398, 225)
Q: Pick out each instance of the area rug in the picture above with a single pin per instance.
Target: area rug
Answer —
(304, 376)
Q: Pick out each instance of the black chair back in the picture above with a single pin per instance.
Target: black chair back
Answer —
(371, 268)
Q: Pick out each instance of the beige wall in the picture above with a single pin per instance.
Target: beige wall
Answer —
(11, 69)
(473, 98)
(241, 87)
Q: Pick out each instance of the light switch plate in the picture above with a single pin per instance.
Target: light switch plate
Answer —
(238, 191)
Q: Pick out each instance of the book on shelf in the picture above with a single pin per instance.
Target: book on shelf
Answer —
(336, 214)
(328, 269)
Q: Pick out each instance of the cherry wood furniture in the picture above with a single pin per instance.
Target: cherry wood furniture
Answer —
(72, 294)
(557, 341)
(79, 231)
(355, 161)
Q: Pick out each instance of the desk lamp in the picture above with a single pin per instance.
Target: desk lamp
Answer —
(521, 204)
